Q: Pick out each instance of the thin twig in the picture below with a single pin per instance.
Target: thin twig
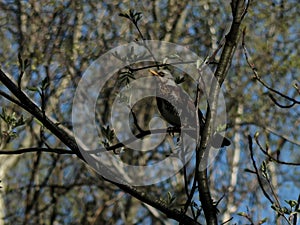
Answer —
(257, 77)
(272, 158)
(140, 135)
(256, 170)
(33, 149)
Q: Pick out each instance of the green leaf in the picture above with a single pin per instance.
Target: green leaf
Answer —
(263, 221)
(124, 15)
(264, 169)
(292, 203)
(132, 15)
(45, 83)
(174, 56)
(34, 89)
(108, 133)
(199, 63)
(285, 210)
(3, 115)
(171, 198)
(20, 121)
(179, 80)
(221, 127)
(242, 214)
(38, 122)
(169, 195)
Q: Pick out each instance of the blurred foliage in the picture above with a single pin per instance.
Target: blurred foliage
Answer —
(49, 44)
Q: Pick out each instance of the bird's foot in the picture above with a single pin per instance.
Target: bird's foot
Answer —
(172, 130)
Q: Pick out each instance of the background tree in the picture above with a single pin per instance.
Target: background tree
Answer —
(46, 47)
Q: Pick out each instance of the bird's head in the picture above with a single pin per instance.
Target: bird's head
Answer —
(165, 77)
(162, 73)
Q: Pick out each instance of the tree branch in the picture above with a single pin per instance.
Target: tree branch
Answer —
(70, 142)
(239, 8)
(30, 150)
(258, 78)
(34, 110)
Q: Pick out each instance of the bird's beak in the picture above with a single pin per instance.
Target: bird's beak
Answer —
(154, 73)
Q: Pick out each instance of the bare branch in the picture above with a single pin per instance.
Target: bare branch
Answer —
(256, 170)
(238, 12)
(33, 109)
(258, 78)
(69, 141)
(273, 158)
(30, 150)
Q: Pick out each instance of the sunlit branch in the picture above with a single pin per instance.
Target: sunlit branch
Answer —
(269, 129)
(258, 78)
(256, 170)
(276, 204)
(271, 157)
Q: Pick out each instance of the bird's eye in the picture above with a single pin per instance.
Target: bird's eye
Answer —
(162, 74)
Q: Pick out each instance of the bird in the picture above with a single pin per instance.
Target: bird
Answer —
(176, 108)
